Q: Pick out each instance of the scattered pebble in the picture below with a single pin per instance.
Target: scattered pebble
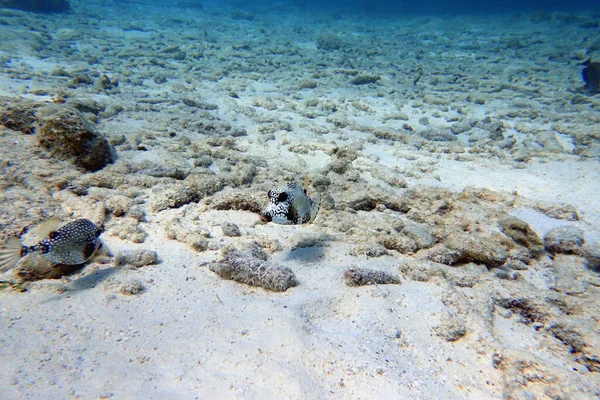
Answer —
(136, 258)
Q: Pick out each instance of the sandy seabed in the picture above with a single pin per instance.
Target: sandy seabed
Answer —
(456, 154)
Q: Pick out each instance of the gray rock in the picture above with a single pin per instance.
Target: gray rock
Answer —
(363, 276)
(437, 135)
(137, 258)
(245, 268)
(131, 288)
(451, 327)
(564, 239)
(230, 229)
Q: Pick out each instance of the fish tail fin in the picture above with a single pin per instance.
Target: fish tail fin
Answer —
(10, 254)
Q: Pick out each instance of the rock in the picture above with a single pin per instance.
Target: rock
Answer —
(308, 84)
(437, 135)
(564, 239)
(193, 237)
(421, 270)
(238, 199)
(243, 267)
(459, 248)
(460, 127)
(521, 233)
(136, 258)
(193, 189)
(363, 276)
(365, 79)
(328, 41)
(19, 116)
(68, 135)
(131, 287)
(128, 229)
(230, 229)
(421, 235)
(88, 105)
(452, 327)
(401, 244)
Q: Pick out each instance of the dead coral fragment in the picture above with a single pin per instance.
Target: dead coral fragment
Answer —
(19, 117)
(564, 239)
(131, 288)
(521, 233)
(363, 276)
(451, 327)
(68, 135)
(461, 249)
(137, 258)
(245, 268)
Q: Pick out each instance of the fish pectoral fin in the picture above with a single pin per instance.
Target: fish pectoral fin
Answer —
(47, 228)
(10, 254)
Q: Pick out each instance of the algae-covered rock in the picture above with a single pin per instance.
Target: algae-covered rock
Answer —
(68, 135)
(460, 249)
(19, 116)
(564, 239)
(244, 267)
(521, 233)
(328, 41)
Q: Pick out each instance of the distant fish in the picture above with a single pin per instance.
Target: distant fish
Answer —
(74, 243)
(289, 205)
(591, 75)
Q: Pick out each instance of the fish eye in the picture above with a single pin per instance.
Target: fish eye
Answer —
(270, 193)
(282, 197)
(304, 191)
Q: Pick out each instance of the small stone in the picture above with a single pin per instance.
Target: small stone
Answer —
(451, 327)
(131, 288)
(137, 258)
(230, 229)
(564, 239)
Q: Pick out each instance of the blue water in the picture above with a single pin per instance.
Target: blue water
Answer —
(430, 7)
(393, 7)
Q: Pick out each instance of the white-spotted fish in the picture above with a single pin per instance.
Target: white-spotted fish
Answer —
(289, 205)
(72, 244)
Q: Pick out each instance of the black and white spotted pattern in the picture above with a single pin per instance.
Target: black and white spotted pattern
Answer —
(72, 244)
(289, 204)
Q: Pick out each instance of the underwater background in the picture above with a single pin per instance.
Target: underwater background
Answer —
(299, 199)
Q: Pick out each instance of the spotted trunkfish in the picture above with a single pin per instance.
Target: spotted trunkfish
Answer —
(72, 244)
(290, 205)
